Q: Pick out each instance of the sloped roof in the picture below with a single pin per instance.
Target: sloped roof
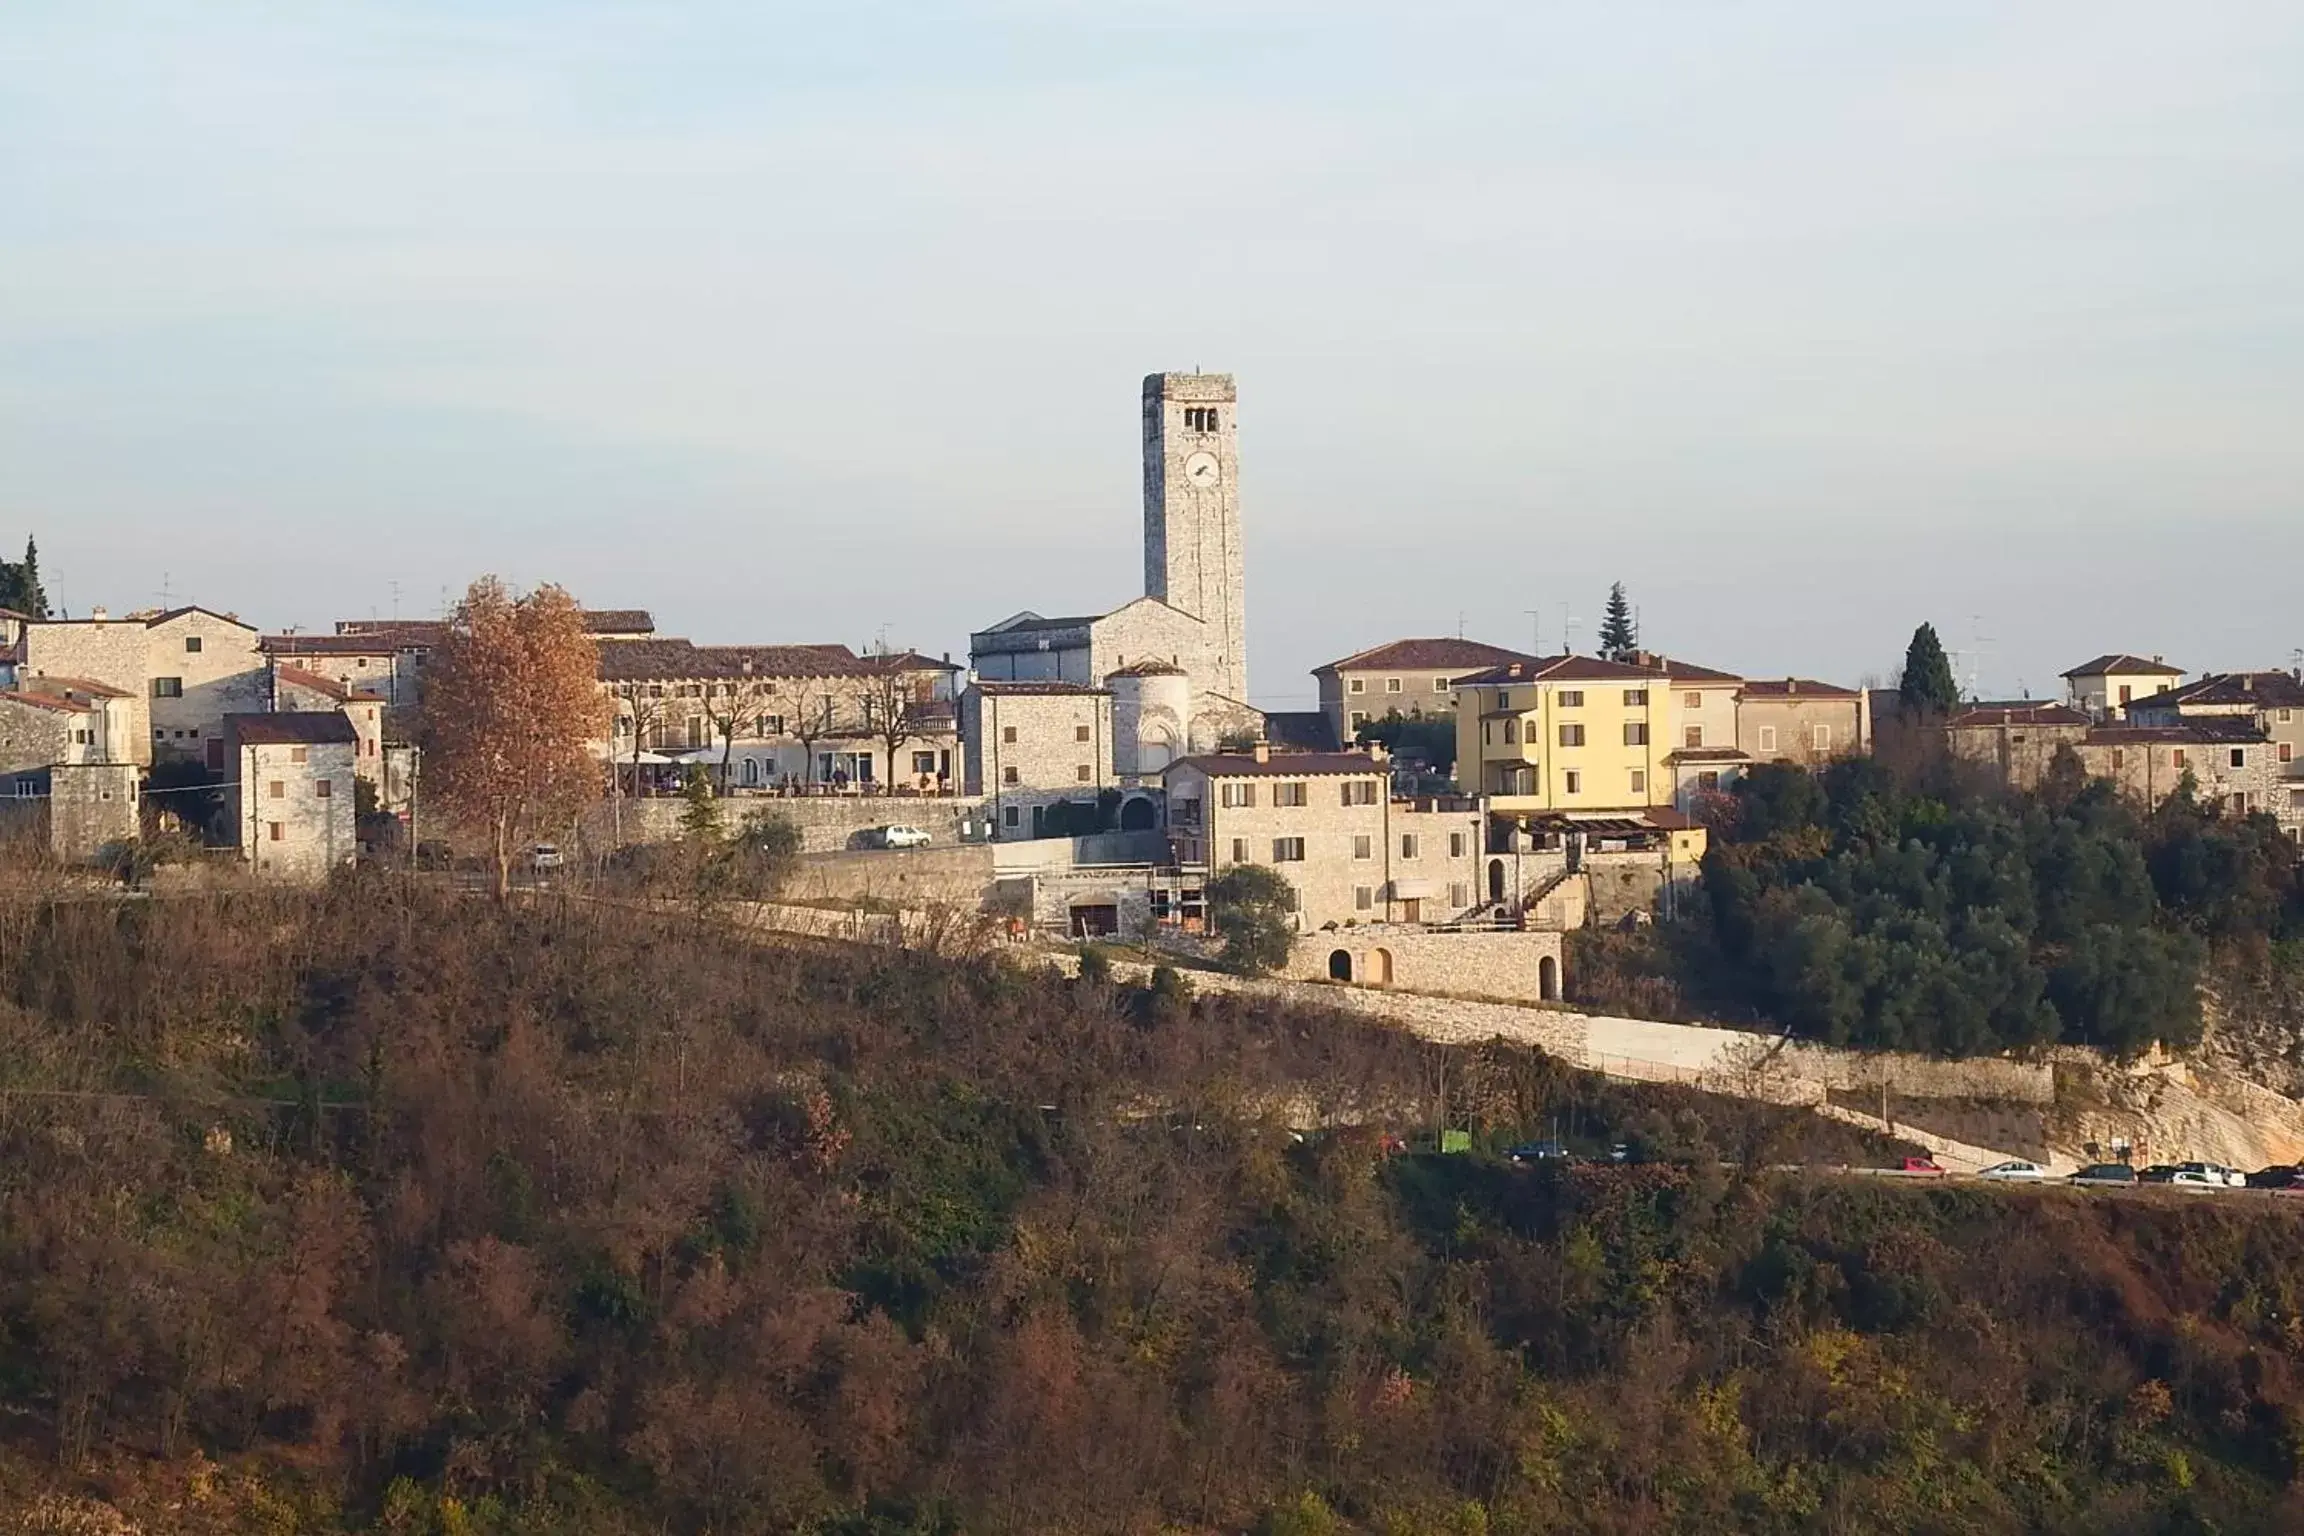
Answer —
(1794, 688)
(46, 682)
(304, 678)
(1438, 653)
(341, 645)
(1994, 715)
(55, 703)
(2122, 661)
(2260, 690)
(293, 727)
(1034, 685)
(2210, 732)
(623, 661)
(1560, 669)
(1150, 667)
(1280, 765)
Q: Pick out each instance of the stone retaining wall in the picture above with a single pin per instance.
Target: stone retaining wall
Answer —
(827, 823)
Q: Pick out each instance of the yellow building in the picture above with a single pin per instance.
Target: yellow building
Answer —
(1567, 733)
(2106, 686)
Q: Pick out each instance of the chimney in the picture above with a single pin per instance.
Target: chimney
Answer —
(1378, 752)
(1262, 751)
(98, 614)
(1791, 685)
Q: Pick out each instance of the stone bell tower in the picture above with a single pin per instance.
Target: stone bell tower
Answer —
(1192, 554)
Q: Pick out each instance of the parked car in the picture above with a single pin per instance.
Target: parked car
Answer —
(545, 856)
(2192, 1176)
(2286, 1177)
(1538, 1152)
(2015, 1170)
(2158, 1173)
(1621, 1152)
(2217, 1173)
(2110, 1175)
(1922, 1164)
(901, 837)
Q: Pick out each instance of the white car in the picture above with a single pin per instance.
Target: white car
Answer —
(903, 837)
(2195, 1176)
(2015, 1170)
(2215, 1173)
(545, 856)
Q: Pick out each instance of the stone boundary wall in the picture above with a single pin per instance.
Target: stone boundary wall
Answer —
(905, 877)
(827, 823)
(1505, 966)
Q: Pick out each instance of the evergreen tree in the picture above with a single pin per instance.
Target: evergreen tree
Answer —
(1619, 634)
(1928, 687)
(20, 584)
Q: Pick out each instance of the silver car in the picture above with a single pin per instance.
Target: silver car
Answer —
(2015, 1171)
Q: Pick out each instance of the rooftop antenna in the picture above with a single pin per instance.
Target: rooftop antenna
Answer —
(1535, 630)
(1568, 627)
(167, 596)
(1459, 623)
(395, 602)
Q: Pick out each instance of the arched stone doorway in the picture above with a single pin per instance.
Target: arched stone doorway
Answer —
(1548, 979)
(1380, 968)
(1495, 879)
(1340, 965)
(1139, 815)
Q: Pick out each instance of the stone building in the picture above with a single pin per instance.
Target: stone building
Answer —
(1410, 678)
(1799, 720)
(295, 688)
(1028, 745)
(2016, 740)
(2229, 759)
(2105, 686)
(64, 720)
(386, 657)
(2273, 702)
(1328, 824)
(786, 716)
(294, 773)
(93, 808)
(185, 669)
(1193, 615)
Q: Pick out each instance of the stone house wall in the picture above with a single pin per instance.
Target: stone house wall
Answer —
(289, 828)
(1027, 746)
(1782, 728)
(109, 651)
(1343, 869)
(1519, 967)
(37, 734)
(91, 807)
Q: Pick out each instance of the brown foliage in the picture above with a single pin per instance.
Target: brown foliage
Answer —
(511, 703)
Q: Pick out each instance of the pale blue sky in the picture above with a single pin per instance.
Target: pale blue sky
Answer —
(794, 321)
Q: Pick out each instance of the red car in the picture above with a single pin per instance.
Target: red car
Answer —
(1922, 1165)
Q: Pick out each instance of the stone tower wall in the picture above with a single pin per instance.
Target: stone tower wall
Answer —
(1193, 559)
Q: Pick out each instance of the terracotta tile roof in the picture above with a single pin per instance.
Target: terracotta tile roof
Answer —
(2258, 690)
(293, 727)
(1281, 765)
(2209, 732)
(623, 661)
(2121, 661)
(1440, 653)
(904, 661)
(621, 621)
(1709, 755)
(339, 645)
(1152, 668)
(48, 701)
(1560, 669)
(2024, 713)
(1794, 688)
(154, 619)
(304, 678)
(52, 682)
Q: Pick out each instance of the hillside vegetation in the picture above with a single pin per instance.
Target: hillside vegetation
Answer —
(388, 1211)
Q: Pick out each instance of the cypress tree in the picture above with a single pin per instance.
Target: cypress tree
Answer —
(1619, 635)
(20, 584)
(1928, 686)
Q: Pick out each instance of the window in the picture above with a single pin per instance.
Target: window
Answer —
(1082, 773)
(1359, 718)
(2239, 757)
(191, 645)
(1455, 845)
(1572, 782)
(2287, 751)
(1079, 733)
(1635, 733)
(1503, 699)
(1440, 685)
(1008, 734)
(1008, 815)
(1359, 791)
(2286, 715)
(299, 754)
(1823, 738)
(325, 789)
(1288, 794)
(1693, 736)
(1571, 735)
(1391, 685)
(2176, 757)
(1407, 845)
(1767, 738)
(1239, 850)
(924, 762)
(1571, 698)
(1363, 898)
(1287, 850)
(1511, 732)
(1237, 796)
(1639, 781)
(1356, 685)
(1363, 848)
(1708, 780)
(1200, 418)
(278, 831)
(276, 790)
(167, 687)
(2125, 690)
(1459, 895)
(1691, 701)
(1009, 775)
(1635, 698)
(2119, 759)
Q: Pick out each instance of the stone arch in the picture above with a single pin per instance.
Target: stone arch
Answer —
(1340, 965)
(1139, 814)
(1380, 968)
(1548, 979)
(1495, 879)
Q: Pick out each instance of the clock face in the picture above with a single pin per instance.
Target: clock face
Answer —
(1203, 471)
